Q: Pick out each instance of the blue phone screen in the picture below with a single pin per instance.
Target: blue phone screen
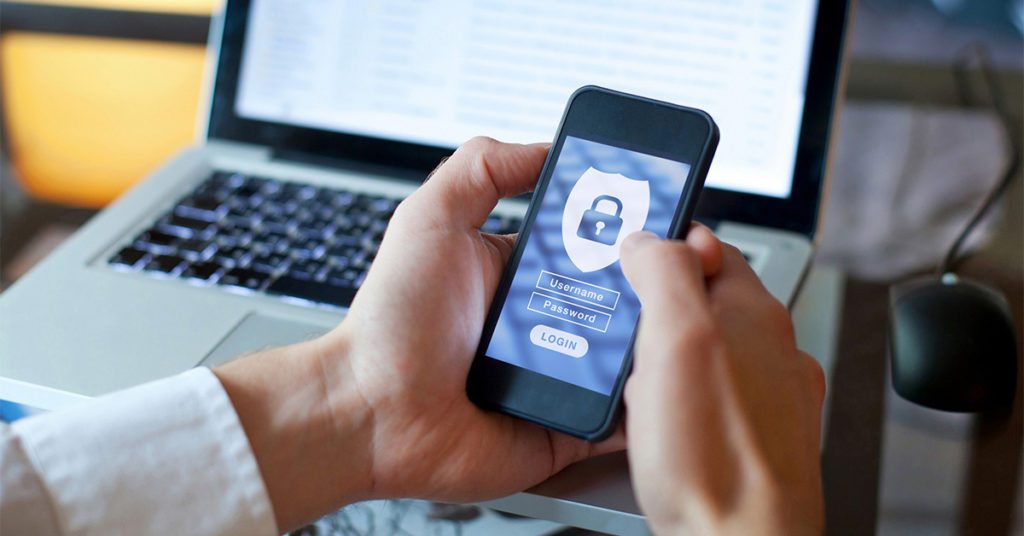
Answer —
(570, 313)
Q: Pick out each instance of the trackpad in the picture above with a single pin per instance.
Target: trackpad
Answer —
(259, 331)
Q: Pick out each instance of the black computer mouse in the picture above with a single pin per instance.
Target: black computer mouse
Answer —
(952, 345)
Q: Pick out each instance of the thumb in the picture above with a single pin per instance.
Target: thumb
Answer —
(667, 276)
(464, 189)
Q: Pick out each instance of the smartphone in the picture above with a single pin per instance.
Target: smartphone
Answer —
(557, 343)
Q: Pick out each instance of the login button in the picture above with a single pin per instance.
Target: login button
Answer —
(559, 341)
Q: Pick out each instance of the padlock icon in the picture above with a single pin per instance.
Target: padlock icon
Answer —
(601, 226)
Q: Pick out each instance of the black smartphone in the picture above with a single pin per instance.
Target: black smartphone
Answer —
(556, 347)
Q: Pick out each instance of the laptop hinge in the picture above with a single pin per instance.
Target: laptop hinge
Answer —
(347, 164)
(234, 149)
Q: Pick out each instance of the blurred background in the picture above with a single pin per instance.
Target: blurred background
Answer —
(96, 93)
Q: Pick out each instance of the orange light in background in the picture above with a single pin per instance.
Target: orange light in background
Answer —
(87, 117)
(194, 7)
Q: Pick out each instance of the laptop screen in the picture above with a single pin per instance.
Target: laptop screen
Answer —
(440, 73)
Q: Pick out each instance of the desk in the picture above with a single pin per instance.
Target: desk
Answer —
(893, 467)
(596, 494)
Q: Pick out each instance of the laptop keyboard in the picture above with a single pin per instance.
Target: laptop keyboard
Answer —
(257, 235)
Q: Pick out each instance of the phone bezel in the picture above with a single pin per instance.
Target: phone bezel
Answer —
(623, 120)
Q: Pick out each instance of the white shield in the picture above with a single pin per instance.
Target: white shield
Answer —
(635, 195)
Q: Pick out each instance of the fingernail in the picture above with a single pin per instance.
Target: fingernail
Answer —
(637, 239)
(697, 229)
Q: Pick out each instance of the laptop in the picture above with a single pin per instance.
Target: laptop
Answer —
(322, 116)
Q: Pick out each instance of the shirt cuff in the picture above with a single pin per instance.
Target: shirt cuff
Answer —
(167, 457)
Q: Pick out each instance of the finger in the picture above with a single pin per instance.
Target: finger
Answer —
(567, 450)
(665, 274)
(735, 276)
(614, 443)
(504, 244)
(737, 292)
(707, 246)
(817, 375)
(704, 242)
(437, 167)
(464, 189)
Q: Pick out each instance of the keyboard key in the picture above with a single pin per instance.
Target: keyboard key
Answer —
(238, 205)
(185, 226)
(203, 207)
(228, 179)
(307, 269)
(164, 263)
(271, 238)
(272, 209)
(230, 238)
(343, 222)
(276, 225)
(196, 249)
(271, 187)
(339, 262)
(220, 185)
(313, 291)
(383, 205)
(203, 202)
(232, 256)
(342, 276)
(155, 241)
(308, 249)
(247, 222)
(269, 262)
(128, 257)
(363, 221)
(244, 278)
(301, 192)
(303, 216)
(251, 188)
(341, 199)
(201, 271)
(312, 231)
(344, 250)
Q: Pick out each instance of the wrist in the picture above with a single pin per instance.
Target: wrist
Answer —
(307, 426)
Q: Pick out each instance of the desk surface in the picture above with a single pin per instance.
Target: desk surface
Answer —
(893, 467)
(597, 495)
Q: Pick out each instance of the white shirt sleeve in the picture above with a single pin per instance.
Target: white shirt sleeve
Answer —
(167, 457)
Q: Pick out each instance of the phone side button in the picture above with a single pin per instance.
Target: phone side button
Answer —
(559, 341)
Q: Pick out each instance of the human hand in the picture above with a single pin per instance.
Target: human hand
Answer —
(723, 411)
(378, 407)
(392, 375)
(413, 331)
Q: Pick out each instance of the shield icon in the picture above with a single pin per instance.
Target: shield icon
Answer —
(587, 199)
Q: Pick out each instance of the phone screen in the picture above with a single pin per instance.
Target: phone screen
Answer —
(570, 314)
